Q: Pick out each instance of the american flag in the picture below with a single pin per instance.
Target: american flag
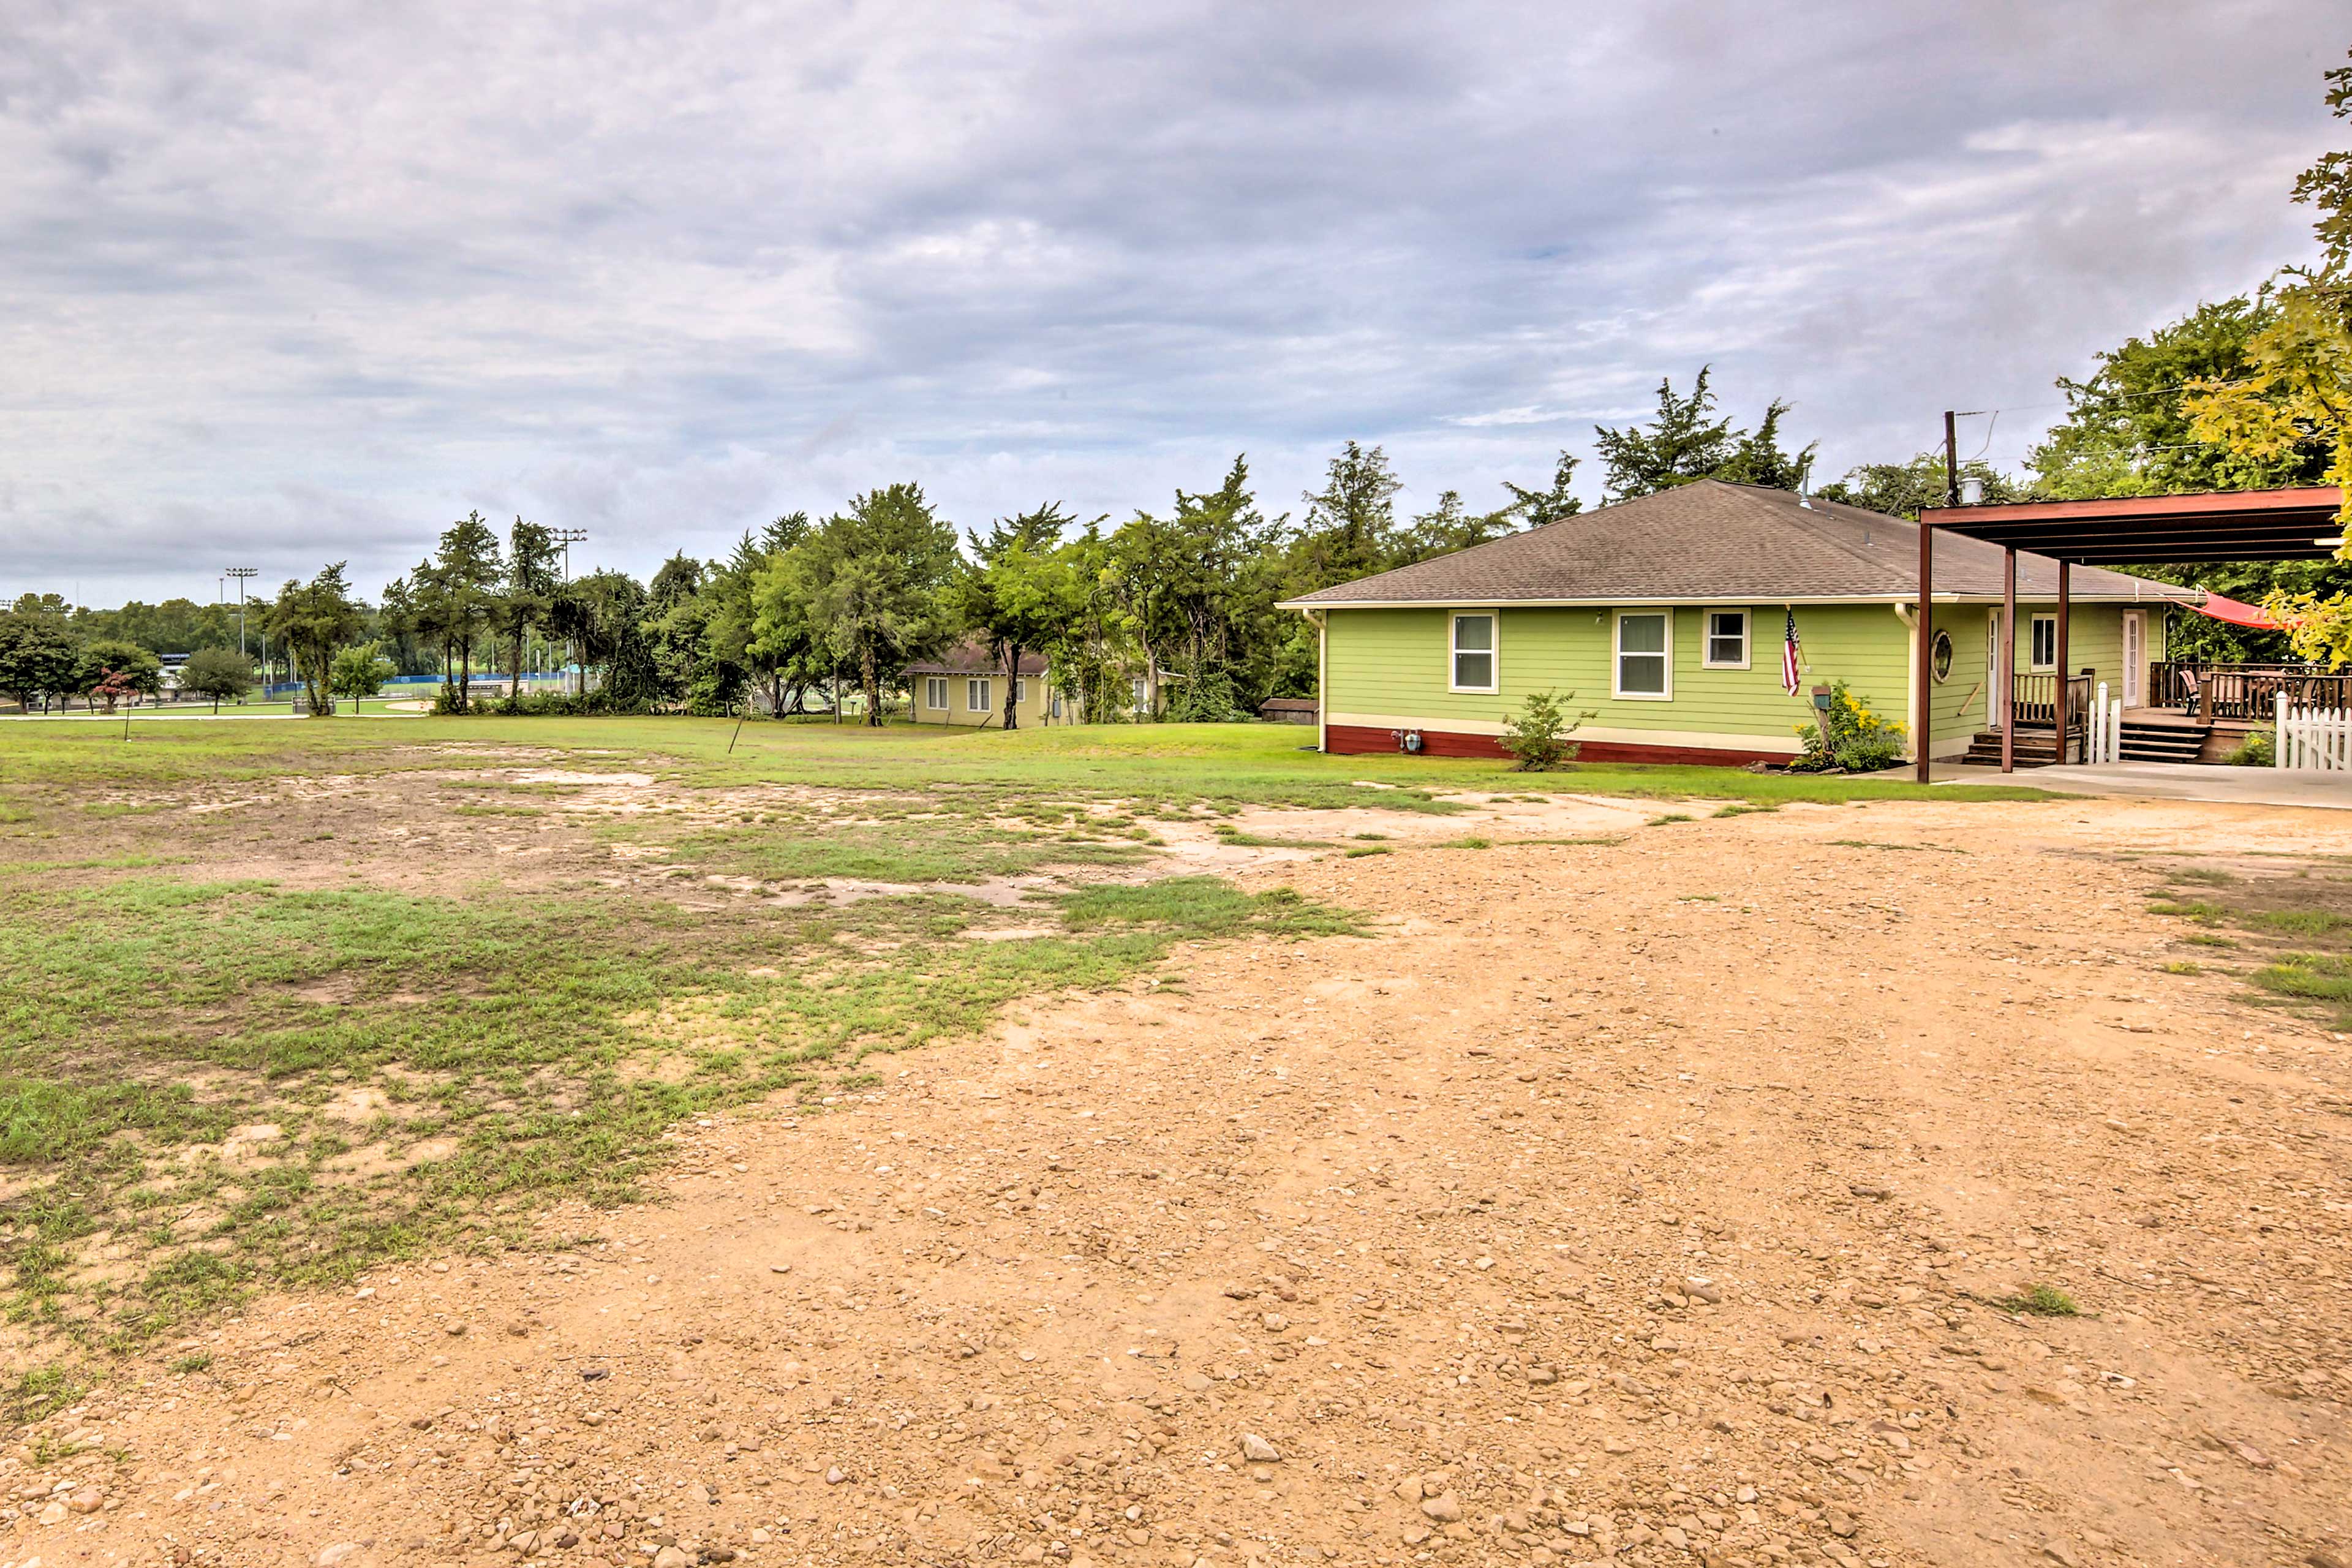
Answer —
(1791, 658)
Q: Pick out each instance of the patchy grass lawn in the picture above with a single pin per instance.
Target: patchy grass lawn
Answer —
(1164, 764)
(287, 999)
(2291, 926)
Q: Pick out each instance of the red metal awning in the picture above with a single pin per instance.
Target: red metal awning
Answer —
(2304, 523)
(2236, 613)
(2121, 531)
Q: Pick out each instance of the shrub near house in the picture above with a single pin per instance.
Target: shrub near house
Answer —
(1667, 613)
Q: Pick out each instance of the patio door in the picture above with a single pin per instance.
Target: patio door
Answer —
(2134, 681)
(1996, 692)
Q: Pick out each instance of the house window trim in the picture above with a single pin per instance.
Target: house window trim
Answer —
(1493, 650)
(982, 687)
(2034, 664)
(935, 694)
(1020, 692)
(1706, 658)
(1617, 656)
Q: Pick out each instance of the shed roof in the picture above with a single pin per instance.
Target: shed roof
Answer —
(1718, 543)
(971, 659)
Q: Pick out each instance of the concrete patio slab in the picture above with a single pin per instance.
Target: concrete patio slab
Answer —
(2172, 781)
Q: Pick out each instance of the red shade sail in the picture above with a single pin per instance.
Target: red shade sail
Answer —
(2236, 613)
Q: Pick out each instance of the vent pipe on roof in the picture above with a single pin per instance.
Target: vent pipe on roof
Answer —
(1972, 491)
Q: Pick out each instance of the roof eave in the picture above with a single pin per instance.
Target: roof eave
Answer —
(2182, 595)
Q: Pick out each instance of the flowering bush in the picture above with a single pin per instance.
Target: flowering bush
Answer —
(1848, 739)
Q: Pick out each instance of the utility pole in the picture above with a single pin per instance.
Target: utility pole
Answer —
(1951, 462)
(243, 575)
(568, 537)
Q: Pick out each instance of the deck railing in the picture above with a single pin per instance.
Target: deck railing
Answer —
(2247, 691)
(2034, 698)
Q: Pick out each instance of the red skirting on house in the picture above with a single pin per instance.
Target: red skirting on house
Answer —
(1356, 740)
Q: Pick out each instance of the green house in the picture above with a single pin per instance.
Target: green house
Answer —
(1667, 617)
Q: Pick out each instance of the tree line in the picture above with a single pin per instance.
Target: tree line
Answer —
(2250, 391)
(1180, 602)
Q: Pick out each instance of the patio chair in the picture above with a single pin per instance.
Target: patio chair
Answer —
(2189, 693)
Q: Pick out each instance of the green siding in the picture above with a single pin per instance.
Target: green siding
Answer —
(2094, 642)
(1960, 699)
(1393, 662)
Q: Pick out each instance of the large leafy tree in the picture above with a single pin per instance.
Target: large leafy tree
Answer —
(1092, 649)
(527, 596)
(604, 613)
(732, 630)
(314, 621)
(1902, 489)
(1195, 591)
(2296, 393)
(675, 620)
(40, 660)
(452, 600)
(359, 672)
(175, 625)
(1015, 591)
(112, 669)
(1688, 440)
(1533, 509)
(871, 580)
(1450, 526)
(2129, 429)
(1349, 530)
(786, 649)
(219, 673)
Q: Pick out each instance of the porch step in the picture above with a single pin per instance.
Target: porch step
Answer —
(2034, 749)
(2161, 743)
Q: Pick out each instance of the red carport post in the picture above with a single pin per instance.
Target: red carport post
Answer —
(2058, 740)
(2005, 667)
(1925, 682)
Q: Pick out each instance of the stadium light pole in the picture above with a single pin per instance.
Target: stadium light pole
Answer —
(568, 537)
(243, 575)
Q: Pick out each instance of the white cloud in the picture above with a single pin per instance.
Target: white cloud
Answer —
(289, 281)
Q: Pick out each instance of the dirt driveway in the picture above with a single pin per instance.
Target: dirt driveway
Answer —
(1651, 1200)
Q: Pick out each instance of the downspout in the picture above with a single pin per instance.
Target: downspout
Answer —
(1322, 679)
(1908, 616)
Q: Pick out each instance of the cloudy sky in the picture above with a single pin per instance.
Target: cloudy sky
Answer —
(284, 281)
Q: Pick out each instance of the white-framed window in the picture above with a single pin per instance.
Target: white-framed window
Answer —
(2045, 643)
(1142, 689)
(1473, 652)
(1020, 691)
(976, 696)
(935, 692)
(1727, 639)
(1645, 665)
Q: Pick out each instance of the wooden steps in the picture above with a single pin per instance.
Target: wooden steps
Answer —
(2174, 742)
(2034, 749)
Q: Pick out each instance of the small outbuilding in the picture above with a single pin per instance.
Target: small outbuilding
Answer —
(966, 686)
(1287, 709)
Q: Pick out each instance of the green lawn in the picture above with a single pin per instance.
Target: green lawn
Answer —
(1236, 763)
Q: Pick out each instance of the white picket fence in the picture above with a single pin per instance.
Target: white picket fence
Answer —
(2313, 740)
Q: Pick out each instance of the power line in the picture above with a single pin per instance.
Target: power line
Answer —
(2107, 398)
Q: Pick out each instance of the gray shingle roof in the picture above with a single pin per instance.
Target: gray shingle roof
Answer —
(971, 659)
(1725, 543)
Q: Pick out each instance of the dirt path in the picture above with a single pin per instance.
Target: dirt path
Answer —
(1642, 1200)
